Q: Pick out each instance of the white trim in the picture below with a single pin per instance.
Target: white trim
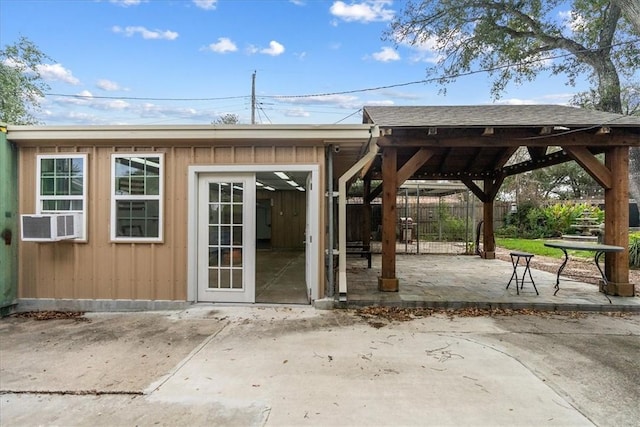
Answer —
(192, 215)
(114, 198)
(85, 190)
(350, 133)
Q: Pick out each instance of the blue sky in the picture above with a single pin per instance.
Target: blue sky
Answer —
(115, 52)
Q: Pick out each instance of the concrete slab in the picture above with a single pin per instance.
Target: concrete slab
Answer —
(277, 365)
(455, 281)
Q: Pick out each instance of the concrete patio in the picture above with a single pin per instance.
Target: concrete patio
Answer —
(458, 281)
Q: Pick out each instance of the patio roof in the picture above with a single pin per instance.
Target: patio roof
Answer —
(494, 115)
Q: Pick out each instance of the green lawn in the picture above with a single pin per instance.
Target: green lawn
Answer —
(537, 247)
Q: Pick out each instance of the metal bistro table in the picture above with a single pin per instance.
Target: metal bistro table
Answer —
(582, 246)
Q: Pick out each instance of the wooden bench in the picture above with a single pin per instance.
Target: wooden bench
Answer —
(358, 248)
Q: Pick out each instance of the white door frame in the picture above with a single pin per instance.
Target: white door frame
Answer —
(194, 172)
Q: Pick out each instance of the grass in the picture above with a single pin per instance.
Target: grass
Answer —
(537, 247)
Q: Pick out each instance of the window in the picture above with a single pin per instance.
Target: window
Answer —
(62, 186)
(136, 202)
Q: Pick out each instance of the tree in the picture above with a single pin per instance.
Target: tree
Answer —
(631, 10)
(515, 40)
(21, 85)
(227, 119)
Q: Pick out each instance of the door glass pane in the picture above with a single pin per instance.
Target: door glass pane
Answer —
(213, 192)
(225, 211)
(236, 277)
(213, 278)
(225, 278)
(237, 214)
(225, 192)
(238, 189)
(225, 214)
(214, 211)
(213, 257)
(237, 236)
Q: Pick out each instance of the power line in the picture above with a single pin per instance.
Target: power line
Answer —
(347, 92)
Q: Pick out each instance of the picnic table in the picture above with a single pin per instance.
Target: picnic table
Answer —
(599, 250)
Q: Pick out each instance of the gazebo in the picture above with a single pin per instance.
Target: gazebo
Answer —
(473, 144)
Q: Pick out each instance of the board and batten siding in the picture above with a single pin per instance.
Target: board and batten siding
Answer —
(102, 269)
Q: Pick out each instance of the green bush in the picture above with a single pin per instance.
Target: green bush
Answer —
(634, 251)
(531, 222)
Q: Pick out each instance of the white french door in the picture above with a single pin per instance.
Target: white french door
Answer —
(226, 238)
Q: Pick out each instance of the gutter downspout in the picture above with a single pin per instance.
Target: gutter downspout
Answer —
(330, 203)
(342, 210)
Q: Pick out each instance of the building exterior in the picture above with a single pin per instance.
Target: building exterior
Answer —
(173, 215)
(8, 223)
(154, 217)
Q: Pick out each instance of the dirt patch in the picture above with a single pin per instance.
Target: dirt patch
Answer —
(380, 316)
(114, 353)
(52, 315)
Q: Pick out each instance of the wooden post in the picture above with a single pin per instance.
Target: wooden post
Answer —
(387, 282)
(616, 222)
(489, 243)
(366, 215)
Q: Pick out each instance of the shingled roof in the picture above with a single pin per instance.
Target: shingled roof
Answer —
(495, 116)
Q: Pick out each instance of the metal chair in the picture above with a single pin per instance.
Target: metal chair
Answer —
(515, 261)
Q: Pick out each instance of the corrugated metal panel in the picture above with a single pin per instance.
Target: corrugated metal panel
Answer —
(101, 269)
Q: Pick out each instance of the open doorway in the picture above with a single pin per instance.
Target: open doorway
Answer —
(281, 237)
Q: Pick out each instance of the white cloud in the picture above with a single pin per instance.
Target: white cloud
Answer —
(297, 2)
(274, 49)
(224, 45)
(383, 103)
(206, 4)
(108, 85)
(56, 72)
(516, 101)
(386, 54)
(146, 33)
(365, 11)
(127, 3)
(296, 112)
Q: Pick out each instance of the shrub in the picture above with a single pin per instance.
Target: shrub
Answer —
(532, 222)
(634, 252)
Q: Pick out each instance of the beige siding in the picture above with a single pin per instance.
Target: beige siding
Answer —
(101, 269)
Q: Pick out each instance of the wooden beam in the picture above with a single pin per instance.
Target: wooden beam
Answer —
(516, 137)
(537, 152)
(549, 160)
(591, 165)
(616, 221)
(492, 192)
(413, 164)
(477, 191)
(366, 215)
(504, 157)
(488, 240)
(387, 282)
(407, 170)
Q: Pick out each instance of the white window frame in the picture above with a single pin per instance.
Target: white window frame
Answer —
(137, 197)
(40, 198)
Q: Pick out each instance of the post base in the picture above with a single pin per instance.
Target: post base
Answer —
(489, 255)
(617, 289)
(388, 285)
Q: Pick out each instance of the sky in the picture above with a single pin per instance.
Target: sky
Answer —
(156, 62)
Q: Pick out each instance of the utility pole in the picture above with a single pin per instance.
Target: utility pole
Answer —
(253, 98)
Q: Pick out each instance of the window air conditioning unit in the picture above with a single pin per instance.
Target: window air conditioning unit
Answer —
(50, 227)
